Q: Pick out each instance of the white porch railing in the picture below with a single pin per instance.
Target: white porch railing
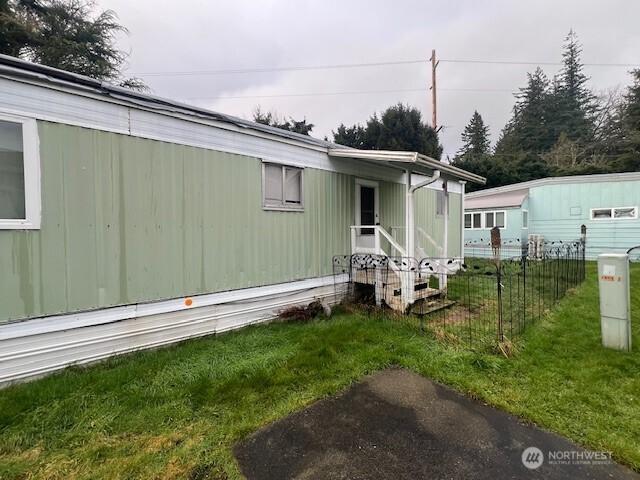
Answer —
(358, 244)
(424, 238)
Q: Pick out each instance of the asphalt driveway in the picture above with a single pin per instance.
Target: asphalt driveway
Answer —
(398, 425)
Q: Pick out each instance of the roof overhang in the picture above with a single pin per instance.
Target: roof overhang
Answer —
(499, 200)
(413, 161)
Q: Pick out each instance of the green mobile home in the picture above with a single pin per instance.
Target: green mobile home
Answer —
(129, 221)
(554, 209)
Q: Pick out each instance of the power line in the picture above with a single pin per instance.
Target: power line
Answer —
(312, 94)
(233, 71)
(353, 92)
(279, 69)
(517, 62)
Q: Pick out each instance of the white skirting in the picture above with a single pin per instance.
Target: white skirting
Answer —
(33, 348)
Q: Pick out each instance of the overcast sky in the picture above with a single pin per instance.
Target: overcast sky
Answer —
(196, 35)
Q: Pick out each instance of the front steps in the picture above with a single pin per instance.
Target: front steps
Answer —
(388, 286)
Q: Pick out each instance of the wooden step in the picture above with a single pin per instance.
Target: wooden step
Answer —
(428, 307)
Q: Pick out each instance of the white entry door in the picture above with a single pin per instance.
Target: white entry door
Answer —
(367, 213)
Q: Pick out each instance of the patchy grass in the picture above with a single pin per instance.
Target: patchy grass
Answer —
(176, 412)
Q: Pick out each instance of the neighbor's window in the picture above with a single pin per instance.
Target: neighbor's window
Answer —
(618, 213)
(282, 187)
(600, 213)
(626, 212)
(525, 219)
(477, 220)
(489, 220)
(19, 173)
(494, 219)
(472, 221)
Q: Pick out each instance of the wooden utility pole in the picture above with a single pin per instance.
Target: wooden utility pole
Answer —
(434, 106)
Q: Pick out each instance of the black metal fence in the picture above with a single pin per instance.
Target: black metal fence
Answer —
(482, 303)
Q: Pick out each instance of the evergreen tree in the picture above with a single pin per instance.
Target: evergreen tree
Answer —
(528, 130)
(291, 125)
(573, 104)
(475, 138)
(399, 127)
(354, 136)
(629, 159)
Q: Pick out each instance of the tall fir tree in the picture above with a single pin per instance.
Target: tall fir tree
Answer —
(475, 138)
(528, 129)
(629, 159)
(573, 105)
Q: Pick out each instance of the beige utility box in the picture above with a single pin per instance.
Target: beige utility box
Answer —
(615, 315)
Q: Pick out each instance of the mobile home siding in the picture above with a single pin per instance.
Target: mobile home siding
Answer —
(558, 211)
(128, 220)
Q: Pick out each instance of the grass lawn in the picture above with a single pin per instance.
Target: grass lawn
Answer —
(176, 412)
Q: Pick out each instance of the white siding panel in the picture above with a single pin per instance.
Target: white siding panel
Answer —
(35, 355)
(59, 106)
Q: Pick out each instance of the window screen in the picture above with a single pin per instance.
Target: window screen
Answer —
(477, 220)
(525, 219)
(500, 223)
(12, 198)
(467, 220)
(273, 184)
(282, 187)
(293, 185)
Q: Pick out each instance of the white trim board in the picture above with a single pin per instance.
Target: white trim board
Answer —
(31, 165)
(36, 352)
(90, 111)
(55, 323)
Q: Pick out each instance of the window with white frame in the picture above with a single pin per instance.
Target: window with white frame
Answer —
(615, 213)
(482, 220)
(19, 173)
(525, 218)
(473, 221)
(495, 219)
(282, 187)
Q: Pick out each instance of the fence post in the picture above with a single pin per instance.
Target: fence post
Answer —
(499, 287)
(583, 246)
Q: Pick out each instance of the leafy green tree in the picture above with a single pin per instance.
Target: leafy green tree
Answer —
(291, 125)
(399, 127)
(64, 34)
